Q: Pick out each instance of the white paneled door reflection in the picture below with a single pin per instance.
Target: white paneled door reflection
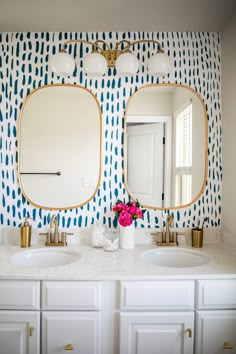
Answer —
(145, 161)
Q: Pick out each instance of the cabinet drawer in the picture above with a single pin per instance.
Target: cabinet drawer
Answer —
(216, 294)
(19, 294)
(71, 295)
(157, 295)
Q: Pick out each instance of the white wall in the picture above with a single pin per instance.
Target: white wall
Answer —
(147, 103)
(25, 65)
(229, 133)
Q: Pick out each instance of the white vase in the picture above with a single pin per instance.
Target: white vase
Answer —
(127, 237)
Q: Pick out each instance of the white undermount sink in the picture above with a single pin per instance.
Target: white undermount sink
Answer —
(176, 258)
(44, 257)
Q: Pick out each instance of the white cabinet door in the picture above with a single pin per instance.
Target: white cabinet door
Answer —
(19, 332)
(75, 331)
(156, 333)
(216, 332)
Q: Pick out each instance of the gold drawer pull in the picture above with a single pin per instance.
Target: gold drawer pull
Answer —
(190, 332)
(228, 346)
(31, 329)
(69, 347)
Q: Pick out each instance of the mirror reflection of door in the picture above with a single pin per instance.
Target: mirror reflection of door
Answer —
(149, 158)
(144, 141)
(173, 175)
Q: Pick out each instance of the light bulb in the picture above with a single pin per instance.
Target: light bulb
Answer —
(127, 64)
(159, 64)
(63, 64)
(95, 64)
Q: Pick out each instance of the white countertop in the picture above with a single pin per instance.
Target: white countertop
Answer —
(96, 264)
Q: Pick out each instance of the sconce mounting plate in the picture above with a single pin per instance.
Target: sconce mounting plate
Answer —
(111, 56)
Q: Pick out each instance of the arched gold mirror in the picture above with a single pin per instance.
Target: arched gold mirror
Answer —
(59, 146)
(166, 139)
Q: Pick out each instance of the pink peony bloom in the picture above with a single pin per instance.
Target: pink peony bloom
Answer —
(120, 207)
(125, 219)
(139, 213)
(135, 212)
(126, 213)
(132, 210)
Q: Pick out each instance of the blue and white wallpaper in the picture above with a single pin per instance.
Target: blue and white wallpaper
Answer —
(24, 65)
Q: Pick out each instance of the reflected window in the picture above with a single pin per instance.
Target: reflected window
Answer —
(183, 156)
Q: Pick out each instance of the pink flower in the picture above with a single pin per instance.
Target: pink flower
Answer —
(126, 213)
(132, 210)
(119, 207)
(139, 213)
(135, 212)
(125, 219)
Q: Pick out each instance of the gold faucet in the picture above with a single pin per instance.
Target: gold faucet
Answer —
(55, 235)
(167, 237)
(52, 238)
(169, 223)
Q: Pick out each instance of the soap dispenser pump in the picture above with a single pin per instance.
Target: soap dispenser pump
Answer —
(26, 234)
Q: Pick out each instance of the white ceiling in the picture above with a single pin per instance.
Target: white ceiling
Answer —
(111, 15)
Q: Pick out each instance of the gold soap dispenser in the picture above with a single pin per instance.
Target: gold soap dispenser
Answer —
(25, 234)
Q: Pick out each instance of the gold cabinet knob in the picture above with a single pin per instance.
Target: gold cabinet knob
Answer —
(228, 346)
(190, 332)
(31, 330)
(69, 347)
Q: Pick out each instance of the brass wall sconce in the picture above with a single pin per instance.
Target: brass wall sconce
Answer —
(95, 64)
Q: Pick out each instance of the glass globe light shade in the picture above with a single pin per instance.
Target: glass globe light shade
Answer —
(63, 64)
(159, 64)
(95, 64)
(127, 64)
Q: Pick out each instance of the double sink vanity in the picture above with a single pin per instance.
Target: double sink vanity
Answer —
(44, 257)
(141, 301)
(151, 299)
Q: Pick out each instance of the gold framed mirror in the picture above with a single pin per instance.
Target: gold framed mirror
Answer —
(165, 146)
(59, 146)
